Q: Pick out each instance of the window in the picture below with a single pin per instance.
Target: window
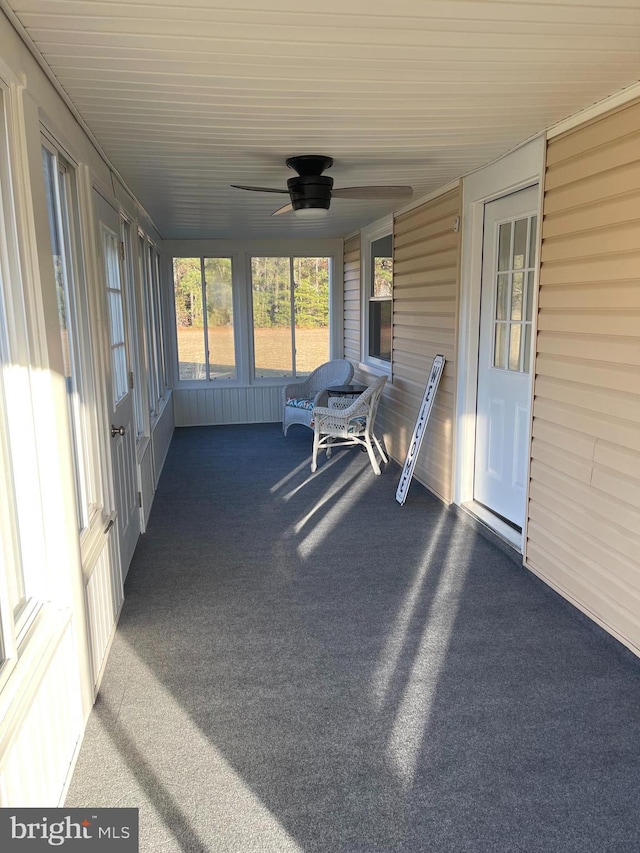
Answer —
(203, 297)
(381, 285)
(290, 298)
(115, 301)
(74, 325)
(154, 324)
(132, 328)
(377, 286)
(23, 583)
(514, 295)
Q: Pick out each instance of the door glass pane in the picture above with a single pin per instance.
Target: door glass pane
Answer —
(219, 301)
(116, 316)
(529, 302)
(514, 347)
(504, 247)
(311, 277)
(533, 234)
(187, 290)
(132, 327)
(519, 244)
(516, 295)
(272, 333)
(502, 298)
(500, 348)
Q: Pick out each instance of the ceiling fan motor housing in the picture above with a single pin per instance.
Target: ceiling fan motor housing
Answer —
(310, 191)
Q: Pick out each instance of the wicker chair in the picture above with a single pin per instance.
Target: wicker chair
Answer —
(299, 398)
(343, 422)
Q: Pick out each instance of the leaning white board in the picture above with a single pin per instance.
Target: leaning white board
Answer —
(418, 431)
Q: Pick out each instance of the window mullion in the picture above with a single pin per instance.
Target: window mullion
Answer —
(293, 317)
(205, 329)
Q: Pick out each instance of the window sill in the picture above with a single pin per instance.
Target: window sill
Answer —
(377, 368)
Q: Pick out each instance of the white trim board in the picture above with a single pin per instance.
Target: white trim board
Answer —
(515, 171)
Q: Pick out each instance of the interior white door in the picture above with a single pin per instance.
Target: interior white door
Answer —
(504, 357)
(120, 397)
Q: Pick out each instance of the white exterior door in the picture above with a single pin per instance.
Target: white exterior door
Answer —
(120, 402)
(504, 358)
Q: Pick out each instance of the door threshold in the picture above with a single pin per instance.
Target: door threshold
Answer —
(511, 535)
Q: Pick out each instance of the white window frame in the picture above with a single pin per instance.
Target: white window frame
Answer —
(291, 256)
(23, 551)
(127, 234)
(208, 380)
(84, 412)
(381, 228)
(154, 314)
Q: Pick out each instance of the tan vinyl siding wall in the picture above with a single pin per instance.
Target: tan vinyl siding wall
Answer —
(351, 259)
(425, 293)
(584, 510)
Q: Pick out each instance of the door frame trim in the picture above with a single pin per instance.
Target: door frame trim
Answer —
(517, 170)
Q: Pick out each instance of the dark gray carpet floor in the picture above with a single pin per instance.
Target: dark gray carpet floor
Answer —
(303, 665)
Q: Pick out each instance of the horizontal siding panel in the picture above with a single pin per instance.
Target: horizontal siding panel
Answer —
(622, 432)
(567, 580)
(615, 377)
(421, 290)
(618, 484)
(623, 350)
(617, 153)
(602, 214)
(593, 322)
(618, 459)
(584, 296)
(416, 259)
(606, 591)
(562, 460)
(603, 130)
(622, 239)
(609, 185)
(439, 234)
(428, 278)
(614, 404)
(594, 269)
(565, 439)
(599, 503)
(425, 316)
(617, 581)
(444, 207)
(415, 337)
(611, 536)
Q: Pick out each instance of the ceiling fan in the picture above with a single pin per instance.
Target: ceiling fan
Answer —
(311, 191)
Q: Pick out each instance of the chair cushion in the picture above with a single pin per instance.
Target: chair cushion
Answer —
(357, 424)
(299, 403)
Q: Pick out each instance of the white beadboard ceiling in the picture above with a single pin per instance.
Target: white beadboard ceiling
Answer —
(188, 98)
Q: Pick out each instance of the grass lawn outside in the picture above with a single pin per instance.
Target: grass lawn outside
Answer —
(272, 351)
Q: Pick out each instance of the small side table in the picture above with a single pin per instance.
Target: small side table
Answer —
(346, 390)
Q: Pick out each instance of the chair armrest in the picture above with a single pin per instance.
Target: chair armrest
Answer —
(321, 398)
(354, 409)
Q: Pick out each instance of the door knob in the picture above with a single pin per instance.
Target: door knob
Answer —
(117, 431)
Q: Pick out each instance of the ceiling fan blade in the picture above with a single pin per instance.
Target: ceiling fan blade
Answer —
(373, 192)
(259, 189)
(284, 209)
